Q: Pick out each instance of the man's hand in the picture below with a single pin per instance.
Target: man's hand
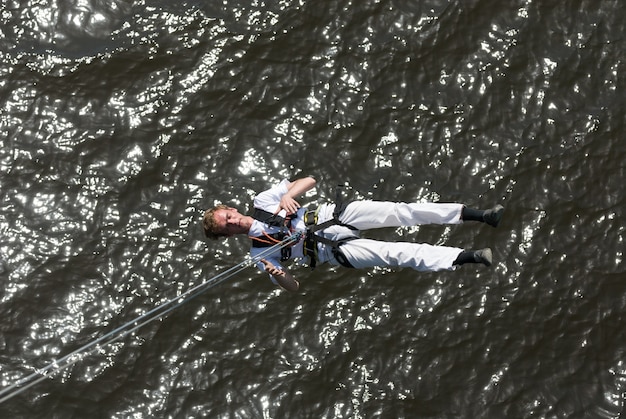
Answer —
(295, 189)
(288, 204)
(271, 269)
(284, 278)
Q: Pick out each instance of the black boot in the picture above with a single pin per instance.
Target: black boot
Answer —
(483, 256)
(491, 216)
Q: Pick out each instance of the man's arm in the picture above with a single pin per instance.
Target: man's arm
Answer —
(295, 189)
(300, 186)
(282, 276)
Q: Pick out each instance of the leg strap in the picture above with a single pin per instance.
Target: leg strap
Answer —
(334, 245)
(311, 239)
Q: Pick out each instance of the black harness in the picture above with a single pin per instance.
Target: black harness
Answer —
(311, 239)
(268, 240)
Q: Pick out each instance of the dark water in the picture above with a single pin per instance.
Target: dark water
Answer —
(121, 121)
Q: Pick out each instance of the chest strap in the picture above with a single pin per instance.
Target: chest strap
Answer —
(272, 220)
(268, 240)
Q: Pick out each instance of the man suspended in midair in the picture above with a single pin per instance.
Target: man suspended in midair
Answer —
(332, 232)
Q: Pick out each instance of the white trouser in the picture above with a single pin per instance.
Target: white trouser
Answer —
(366, 253)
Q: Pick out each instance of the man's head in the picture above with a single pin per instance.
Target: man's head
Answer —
(224, 221)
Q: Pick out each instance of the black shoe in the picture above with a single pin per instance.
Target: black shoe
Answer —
(494, 215)
(483, 256)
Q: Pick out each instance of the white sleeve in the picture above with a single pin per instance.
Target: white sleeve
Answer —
(270, 199)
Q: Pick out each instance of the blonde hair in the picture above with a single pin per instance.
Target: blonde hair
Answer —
(209, 224)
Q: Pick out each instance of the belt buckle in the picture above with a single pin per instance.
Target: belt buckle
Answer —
(308, 215)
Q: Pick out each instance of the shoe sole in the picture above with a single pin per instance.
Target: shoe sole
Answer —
(494, 218)
(485, 256)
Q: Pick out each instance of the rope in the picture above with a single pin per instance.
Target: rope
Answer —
(127, 328)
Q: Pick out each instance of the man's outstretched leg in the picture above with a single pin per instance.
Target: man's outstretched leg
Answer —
(365, 215)
(366, 253)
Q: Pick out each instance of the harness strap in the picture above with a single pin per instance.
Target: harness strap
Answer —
(273, 220)
(310, 243)
(272, 240)
(268, 240)
(311, 239)
(310, 219)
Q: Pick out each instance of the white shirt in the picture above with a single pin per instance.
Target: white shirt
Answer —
(269, 201)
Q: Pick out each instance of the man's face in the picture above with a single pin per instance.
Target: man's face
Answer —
(230, 222)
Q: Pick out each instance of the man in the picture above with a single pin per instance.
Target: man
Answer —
(333, 231)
